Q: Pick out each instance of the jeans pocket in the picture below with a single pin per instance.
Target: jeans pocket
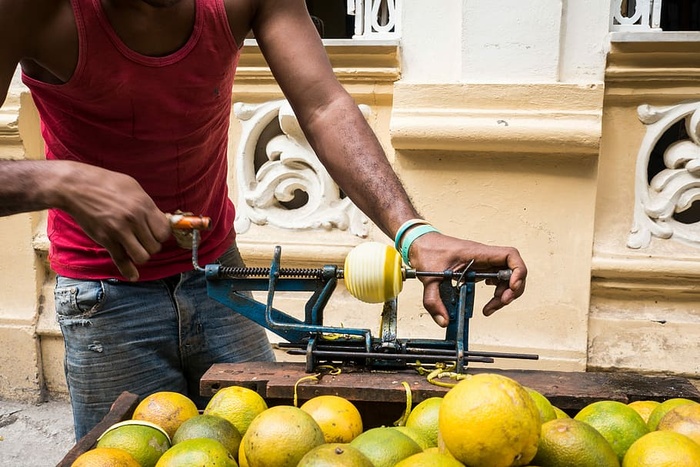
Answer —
(78, 298)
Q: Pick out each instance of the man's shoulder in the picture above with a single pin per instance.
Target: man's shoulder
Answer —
(38, 7)
(26, 13)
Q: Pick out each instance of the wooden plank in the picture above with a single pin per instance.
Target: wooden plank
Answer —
(121, 409)
(569, 391)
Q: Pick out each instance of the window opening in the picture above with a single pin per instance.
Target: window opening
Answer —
(680, 15)
(331, 18)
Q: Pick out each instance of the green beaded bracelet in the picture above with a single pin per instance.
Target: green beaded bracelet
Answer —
(411, 237)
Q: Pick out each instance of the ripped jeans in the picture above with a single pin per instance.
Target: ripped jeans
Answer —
(145, 337)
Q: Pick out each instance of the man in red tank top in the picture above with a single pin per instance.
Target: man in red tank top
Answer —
(135, 117)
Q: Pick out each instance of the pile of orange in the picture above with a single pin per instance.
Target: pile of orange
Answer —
(484, 420)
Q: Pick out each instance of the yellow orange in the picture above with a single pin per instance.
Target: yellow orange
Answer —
(489, 420)
(430, 459)
(644, 408)
(663, 449)
(560, 413)
(105, 457)
(339, 419)
(242, 461)
(166, 409)
(238, 405)
(280, 436)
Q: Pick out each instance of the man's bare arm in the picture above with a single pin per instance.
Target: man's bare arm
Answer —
(131, 227)
(332, 122)
(353, 156)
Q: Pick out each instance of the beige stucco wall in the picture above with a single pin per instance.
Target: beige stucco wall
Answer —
(21, 270)
(644, 304)
(505, 164)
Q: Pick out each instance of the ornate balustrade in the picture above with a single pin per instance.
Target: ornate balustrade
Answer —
(376, 19)
(636, 15)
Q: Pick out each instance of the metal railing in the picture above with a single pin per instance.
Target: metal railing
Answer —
(636, 15)
(376, 19)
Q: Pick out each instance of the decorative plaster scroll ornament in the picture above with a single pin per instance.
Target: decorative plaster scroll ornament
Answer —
(676, 187)
(289, 168)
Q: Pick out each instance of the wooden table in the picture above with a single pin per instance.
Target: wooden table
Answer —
(570, 391)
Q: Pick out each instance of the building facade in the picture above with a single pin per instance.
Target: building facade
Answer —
(565, 128)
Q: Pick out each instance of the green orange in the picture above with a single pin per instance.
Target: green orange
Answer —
(212, 427)
(619, 423)
(567, 442)
(200, 452)
(385, 446)
(145, 441)
(424, 418)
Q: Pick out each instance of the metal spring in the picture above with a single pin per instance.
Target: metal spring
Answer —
(265, 272)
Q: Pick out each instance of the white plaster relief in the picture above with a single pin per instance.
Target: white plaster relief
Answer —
(675, 188)
(291, 165)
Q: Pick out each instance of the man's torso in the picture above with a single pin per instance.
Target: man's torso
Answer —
(139, 91)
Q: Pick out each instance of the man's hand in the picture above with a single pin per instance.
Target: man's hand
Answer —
(437, 252)
(114, 211)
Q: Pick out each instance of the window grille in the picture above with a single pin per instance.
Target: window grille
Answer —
(655, 15)
(356, 19)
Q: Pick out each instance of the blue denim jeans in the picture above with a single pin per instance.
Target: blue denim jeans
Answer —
(146, 337)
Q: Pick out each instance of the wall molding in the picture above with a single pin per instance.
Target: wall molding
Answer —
(551, 118)
(647, 70)
(352, 63)
(645, 276)
(9, 126)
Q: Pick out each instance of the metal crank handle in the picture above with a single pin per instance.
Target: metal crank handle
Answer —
(186, 229)
(189, 222)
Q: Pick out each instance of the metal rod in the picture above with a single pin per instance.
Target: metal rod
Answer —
(389, 356)
(502, 275)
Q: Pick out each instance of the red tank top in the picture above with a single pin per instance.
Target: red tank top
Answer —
(162, 120)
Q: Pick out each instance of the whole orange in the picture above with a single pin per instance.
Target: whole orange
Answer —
(166, 409)
(489, 420)
(339, 419)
